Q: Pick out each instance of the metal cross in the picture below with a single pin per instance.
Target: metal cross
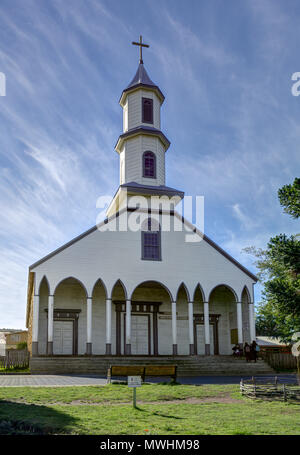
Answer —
(141, 46)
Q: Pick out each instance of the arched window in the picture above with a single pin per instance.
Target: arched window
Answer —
(149, 165)
(151, 240)
(147, 110)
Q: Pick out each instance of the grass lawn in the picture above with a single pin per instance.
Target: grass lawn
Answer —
(162, 410)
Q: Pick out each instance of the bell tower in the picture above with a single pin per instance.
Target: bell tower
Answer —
(142, 145)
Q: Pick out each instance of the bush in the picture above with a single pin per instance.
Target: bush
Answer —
(22, 345)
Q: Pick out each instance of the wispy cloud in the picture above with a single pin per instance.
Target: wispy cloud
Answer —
(246, 221)
(229, 113)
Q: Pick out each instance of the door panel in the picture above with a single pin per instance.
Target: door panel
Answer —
(63, 337)
(139, 334)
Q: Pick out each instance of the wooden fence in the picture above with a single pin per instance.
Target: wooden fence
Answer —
(271, 389)
(15, 358)
(280, 360)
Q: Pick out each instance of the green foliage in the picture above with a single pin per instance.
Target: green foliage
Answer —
(278, 314)
(22, 345)
(12, 369)
(289, 198)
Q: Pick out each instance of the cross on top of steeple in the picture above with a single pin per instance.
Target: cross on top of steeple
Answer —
(141, 44)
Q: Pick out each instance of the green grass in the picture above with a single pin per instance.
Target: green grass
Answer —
(113, 393)
(101, 410)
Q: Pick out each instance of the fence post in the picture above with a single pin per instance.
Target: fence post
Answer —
(109, 376)
(284, 393)
(242, 386)
(15, 358)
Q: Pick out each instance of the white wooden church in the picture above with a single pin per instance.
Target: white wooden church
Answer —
(117, 290)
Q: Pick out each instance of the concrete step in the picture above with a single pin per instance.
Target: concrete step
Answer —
(187, 366)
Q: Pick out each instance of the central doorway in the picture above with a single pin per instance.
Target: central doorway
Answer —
(63, 337)
(199, 334)
(140, 334)
(144, 328)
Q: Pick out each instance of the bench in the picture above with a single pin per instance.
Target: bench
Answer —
(142, 370)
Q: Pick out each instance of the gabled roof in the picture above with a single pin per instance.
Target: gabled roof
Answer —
(141, 79)
(94, 228)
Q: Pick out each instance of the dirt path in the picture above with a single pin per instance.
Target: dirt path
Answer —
(222, 398)
(192, 400)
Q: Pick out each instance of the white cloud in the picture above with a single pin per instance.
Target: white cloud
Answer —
(246, 221)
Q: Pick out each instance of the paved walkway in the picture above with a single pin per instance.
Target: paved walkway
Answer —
(36, 380)
(50, 380)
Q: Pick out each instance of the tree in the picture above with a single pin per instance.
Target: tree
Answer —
(289, 198)
(278, 314)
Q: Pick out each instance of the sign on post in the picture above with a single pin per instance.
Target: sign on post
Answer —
(134, 382)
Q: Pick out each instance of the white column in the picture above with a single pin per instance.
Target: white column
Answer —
(89, 325)
(108, 326)
(174, 328)
(128, 327)
(35, 324)
(239, 322)
(206, 328)
(35, 318)
(252, 322)
(50, 324)
(191, 327)
(108, 321)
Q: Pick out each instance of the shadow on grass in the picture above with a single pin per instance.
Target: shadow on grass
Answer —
(159, 414)
(172, 383)
(21, 418)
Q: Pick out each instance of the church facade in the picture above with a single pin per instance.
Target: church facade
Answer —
(145, 281)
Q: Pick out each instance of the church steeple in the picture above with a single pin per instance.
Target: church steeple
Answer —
(142, 145)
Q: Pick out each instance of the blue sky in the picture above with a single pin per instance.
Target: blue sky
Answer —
(225, 67)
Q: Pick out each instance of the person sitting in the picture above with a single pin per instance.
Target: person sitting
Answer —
(236, 350)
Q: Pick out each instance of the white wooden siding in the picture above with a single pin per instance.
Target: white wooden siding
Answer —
(132, 112)
(133, 155)
(111, 255)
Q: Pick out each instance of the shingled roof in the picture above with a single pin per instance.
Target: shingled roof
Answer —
(142, 79)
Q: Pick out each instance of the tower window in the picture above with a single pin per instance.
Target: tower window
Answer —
(149, 165)
(151, 240)
(147, 110)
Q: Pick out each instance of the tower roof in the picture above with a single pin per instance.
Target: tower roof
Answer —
(141, 79)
